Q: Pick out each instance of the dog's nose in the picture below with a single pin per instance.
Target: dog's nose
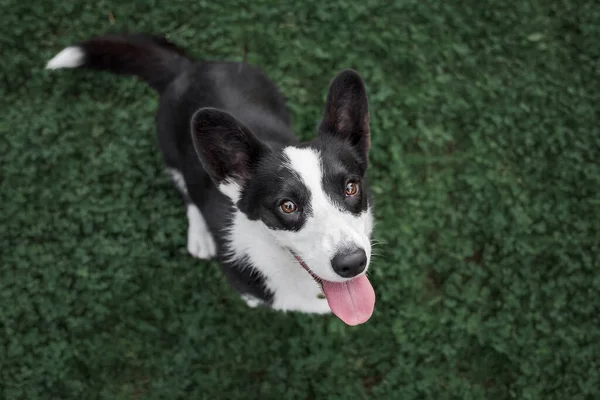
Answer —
(349, 263)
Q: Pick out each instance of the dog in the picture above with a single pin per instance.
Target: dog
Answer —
(289, 222)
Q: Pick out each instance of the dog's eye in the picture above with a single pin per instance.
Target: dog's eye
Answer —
(351, 188)
(288, 207)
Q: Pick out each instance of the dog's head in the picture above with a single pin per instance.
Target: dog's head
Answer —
(312, 198)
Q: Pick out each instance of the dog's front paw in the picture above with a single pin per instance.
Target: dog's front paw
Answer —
(200, 242)
(307, 305)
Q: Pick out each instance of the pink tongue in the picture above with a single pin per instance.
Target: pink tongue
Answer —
(353, 301)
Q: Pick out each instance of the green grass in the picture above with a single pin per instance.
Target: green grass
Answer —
(486, 171)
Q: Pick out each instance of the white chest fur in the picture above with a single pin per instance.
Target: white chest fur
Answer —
(293, 288)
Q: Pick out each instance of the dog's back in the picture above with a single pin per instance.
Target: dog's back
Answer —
(239, 89)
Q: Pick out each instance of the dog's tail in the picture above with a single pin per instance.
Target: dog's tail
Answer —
(153, 59)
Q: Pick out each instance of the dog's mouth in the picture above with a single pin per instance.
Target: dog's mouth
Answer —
(314, 276)
(352, 301)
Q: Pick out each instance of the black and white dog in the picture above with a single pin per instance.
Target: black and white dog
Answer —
(290, 222)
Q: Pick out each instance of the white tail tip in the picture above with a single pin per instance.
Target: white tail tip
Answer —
(70, 57)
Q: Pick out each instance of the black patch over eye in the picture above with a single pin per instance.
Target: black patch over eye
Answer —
(276, 196)
(343, 176)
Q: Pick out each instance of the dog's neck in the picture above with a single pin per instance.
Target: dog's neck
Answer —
(251, 245)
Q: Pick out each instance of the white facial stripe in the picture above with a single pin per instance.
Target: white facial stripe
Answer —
(306, 164)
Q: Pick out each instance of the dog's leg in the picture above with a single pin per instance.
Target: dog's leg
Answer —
(200, 242)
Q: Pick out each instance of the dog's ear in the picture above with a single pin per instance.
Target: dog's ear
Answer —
(346, 113)
(228, 150)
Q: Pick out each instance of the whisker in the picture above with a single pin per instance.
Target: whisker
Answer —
(379, 240)
(376, 256)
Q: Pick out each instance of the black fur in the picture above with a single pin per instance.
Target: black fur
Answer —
(343, 162)
(226, 121)
(274, 183)
(346, 114)
(153, 59)
(226, 148)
